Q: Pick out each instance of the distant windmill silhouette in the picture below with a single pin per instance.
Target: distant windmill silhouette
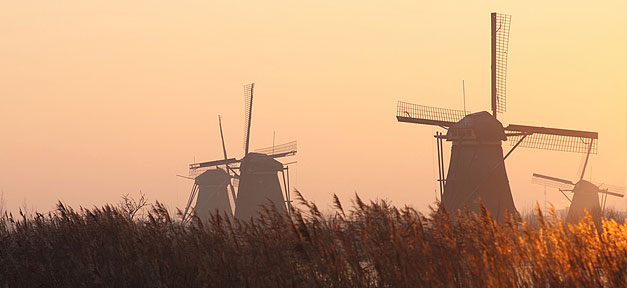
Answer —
(257, 181)
(477, 168)
(585, 194)
(210, 186)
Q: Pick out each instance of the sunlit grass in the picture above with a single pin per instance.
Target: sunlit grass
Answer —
(372, 244)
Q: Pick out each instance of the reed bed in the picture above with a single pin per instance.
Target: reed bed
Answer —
(370, 245)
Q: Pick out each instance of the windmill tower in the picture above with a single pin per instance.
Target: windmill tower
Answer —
(585, 194)
(212, 192)
(257, 181)
(477, 166)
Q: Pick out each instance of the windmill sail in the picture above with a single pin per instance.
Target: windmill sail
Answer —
(281, 150)
(195, 166)
(500, 40)
(553, 138)
(611, 189)
(248, 110)
(551, 181)
(413, 113)
(228, 169)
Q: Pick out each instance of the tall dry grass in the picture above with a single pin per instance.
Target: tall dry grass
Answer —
(371, 244)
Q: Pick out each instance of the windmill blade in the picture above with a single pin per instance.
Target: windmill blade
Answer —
(553, 138)
(228, 169)
(248, 100)
(282, 150)
(611, 189)
(551, 181)
(500, 24)
(232, 187)
(222, 136)
(413, 113)
(212, 163)
(192, 195)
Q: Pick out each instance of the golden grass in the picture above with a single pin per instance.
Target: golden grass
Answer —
(373, 244)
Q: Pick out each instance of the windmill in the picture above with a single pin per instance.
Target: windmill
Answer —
(210, 186)
(585, 194)
(257, 181)
(477, 165)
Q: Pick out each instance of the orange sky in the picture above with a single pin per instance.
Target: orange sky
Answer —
(103, 99)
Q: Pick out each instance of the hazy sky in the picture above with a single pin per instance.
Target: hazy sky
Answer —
(104, 98)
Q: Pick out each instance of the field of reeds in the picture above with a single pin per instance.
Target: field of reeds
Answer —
(370, 244)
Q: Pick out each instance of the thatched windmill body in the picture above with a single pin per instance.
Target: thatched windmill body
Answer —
(256, 176)
(477, 169)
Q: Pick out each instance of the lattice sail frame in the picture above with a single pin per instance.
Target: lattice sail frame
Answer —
(503, 22)
(279, 149)
(612, 189)
(555, 143)
(248, 109)
(408, 112)
(546, 181)
(553, 138)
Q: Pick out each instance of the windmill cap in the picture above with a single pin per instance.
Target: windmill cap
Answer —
(479, 126)
(584, 186)
(212, 177)
(256, 162)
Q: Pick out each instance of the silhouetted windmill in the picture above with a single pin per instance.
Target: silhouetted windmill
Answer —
(477, 168)
(257, 180)
(210, 186)
(585, 194)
